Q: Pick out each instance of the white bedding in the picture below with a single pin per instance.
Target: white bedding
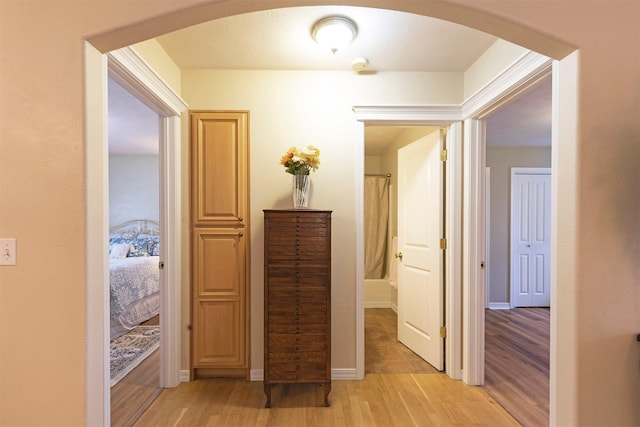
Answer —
(135, 287)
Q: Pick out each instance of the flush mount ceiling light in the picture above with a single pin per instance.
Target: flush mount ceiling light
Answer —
(334, 32)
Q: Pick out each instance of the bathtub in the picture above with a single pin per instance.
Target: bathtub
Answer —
(383, 293)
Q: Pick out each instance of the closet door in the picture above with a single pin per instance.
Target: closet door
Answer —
(219, 168)
(220, 245)
(219, 299)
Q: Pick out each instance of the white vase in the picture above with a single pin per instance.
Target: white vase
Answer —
(301, 185)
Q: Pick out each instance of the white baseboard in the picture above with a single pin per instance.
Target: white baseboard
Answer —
(185, 376)
(344, 374)
(336, 374)
(499, 306)
(377, 304)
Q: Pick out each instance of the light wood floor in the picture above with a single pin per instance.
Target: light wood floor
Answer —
(517, 362)
(403, 398)
(133, 394)
(383, 352)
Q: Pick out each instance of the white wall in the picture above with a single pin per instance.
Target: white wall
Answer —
(158, 59)
(372, 164)
(133, 188)
(501, 160)
(499, 56)
(294, 108)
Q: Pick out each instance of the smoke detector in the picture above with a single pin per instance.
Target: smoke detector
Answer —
(359, 63)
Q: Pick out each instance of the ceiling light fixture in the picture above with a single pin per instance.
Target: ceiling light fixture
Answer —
(334, 32)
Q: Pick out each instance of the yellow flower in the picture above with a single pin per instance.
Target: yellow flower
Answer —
(301, 160)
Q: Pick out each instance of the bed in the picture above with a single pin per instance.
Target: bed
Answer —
(134, 276)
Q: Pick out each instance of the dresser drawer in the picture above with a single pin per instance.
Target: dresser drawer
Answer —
(284, 373)
(298, 294)
(299, 252)
(289, 327)
(298, 343)
(295, 308)
(297, 371)
(293, 358)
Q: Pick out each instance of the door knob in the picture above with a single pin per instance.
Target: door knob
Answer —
(399, 256)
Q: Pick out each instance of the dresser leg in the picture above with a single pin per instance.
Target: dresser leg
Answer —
(267, 392)
(327, 390)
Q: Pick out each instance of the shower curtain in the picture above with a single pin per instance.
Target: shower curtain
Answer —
(376, 218)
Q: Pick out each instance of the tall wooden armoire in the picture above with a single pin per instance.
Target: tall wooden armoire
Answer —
(297, 298)
(219, 243)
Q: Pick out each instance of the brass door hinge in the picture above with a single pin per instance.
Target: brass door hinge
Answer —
(161, 265)
(443, 331)
(443, 155)
(443, 244)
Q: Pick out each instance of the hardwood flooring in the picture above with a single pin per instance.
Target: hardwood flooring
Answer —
(517, 362)
(384, 354)
(378, 400)
(133, 394)
(383, 398)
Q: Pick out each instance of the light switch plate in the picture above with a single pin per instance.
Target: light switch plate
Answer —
(8, 254)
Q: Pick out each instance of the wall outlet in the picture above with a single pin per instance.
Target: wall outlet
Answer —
(8, 254)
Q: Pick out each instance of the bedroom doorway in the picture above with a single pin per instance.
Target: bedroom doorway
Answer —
(134, 224)
(128, 69)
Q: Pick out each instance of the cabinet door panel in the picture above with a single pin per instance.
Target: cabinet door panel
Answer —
(221, 339)
(219, 264)
(219, 164)
(219, 298)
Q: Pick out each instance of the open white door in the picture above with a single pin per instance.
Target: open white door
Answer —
(530, 237)
(420, 225)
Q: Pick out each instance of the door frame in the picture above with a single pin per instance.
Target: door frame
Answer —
(465, 282)
(438, 116)
(487, 233)
(134, 74)
(514, 172)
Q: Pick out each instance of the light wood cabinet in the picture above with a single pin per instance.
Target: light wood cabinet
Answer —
(297, 299)
(220, 244)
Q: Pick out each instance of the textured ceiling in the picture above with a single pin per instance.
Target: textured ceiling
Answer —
(280, 39)
(524, 120)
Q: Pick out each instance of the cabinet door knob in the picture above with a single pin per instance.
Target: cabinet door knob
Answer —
(240, 234)
(240, 218)
(399, 256)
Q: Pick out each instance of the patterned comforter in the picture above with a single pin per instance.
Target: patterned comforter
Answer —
(135, 287)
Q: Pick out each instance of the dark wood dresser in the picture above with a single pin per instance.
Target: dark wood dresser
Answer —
(297, 298)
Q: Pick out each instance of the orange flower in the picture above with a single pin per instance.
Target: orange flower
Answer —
(301, 160)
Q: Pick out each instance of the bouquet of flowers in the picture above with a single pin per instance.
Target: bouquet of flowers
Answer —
(301, 160)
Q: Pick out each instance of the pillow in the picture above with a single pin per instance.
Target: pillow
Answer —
(144, 245)
(119, 250)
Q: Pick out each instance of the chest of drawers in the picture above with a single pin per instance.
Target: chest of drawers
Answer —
(297, 298)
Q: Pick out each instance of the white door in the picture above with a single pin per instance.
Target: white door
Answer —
(530, 234)
(420, 225)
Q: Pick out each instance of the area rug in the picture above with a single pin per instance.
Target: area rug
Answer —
(130, 349)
